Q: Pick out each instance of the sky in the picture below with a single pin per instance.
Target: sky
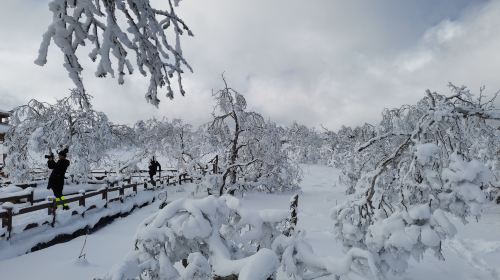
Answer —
(318, 62)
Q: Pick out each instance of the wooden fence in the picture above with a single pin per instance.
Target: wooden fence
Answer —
(8, 210)
(7, 213)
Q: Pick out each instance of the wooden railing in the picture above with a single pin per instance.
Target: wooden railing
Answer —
(16, 198)
(96, 177)
(51, 205)
(9, 210)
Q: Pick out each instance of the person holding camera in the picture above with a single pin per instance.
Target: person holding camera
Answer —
(56, 178)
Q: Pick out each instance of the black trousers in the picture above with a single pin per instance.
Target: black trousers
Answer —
(153, 182)
(58, 192)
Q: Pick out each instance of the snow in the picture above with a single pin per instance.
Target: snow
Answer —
(425, 152)
(260, 266)
(4, 128)
(473, 254)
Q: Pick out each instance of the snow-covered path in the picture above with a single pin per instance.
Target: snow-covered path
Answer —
(104, 248)
(320, 193)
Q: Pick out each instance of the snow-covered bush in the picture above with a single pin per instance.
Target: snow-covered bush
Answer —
(210, 236)
(39, 127)
(215, 237)
(430, 164)
(115, 28)
(298, 260)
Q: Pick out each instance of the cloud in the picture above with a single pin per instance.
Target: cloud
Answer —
(322, 62)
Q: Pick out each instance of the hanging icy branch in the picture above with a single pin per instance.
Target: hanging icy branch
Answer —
(114, 28)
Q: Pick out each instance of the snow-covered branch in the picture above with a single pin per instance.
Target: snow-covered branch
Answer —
(114, 28)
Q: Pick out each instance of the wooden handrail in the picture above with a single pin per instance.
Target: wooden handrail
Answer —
(28, 196)
(8, 213)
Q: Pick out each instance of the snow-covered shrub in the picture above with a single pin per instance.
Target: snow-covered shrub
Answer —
(298, 260)
(38, 127)
(115, 28)
(215, 237)
(211, 236)
(426, 170)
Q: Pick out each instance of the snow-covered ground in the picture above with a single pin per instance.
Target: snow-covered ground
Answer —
(474, 254)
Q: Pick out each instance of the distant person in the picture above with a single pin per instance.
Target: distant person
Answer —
(56, 178)
(154, 166)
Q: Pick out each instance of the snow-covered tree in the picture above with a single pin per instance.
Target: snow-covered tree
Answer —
(430, 164)
(155, 136)
(241, 139)
(275, 171)
(115, 28)
(175, 141)
(39, 127)
(345, 142)
(304, 144)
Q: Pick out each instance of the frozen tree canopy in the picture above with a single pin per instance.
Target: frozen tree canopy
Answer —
(114, 28)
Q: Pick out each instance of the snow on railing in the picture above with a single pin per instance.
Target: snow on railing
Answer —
(9, 209)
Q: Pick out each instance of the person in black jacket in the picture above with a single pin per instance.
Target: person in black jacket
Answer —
(153, 167)
(56, 178)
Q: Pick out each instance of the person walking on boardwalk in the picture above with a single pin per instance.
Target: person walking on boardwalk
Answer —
(56, 178)
(153, 167)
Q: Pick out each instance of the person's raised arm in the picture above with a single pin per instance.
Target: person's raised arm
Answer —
(51, 163)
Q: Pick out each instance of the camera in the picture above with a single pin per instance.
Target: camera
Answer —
(51, 155)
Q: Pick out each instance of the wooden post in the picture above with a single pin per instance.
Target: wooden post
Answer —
(31, 197)
(122, 193)
(134, 188)
(292, 222)
(215, 165)
(105, 196)
(81, 201)
(7, 220)
(52, 211)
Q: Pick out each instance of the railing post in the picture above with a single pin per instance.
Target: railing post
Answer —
(81, 201)
(122, 193)
(52, 210)
(105, 196)
(31, 197)
(134, 188)
(7, 220)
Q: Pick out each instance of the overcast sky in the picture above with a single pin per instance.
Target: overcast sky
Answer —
(317, 62)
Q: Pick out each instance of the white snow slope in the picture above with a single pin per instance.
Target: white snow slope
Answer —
(474, 254)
